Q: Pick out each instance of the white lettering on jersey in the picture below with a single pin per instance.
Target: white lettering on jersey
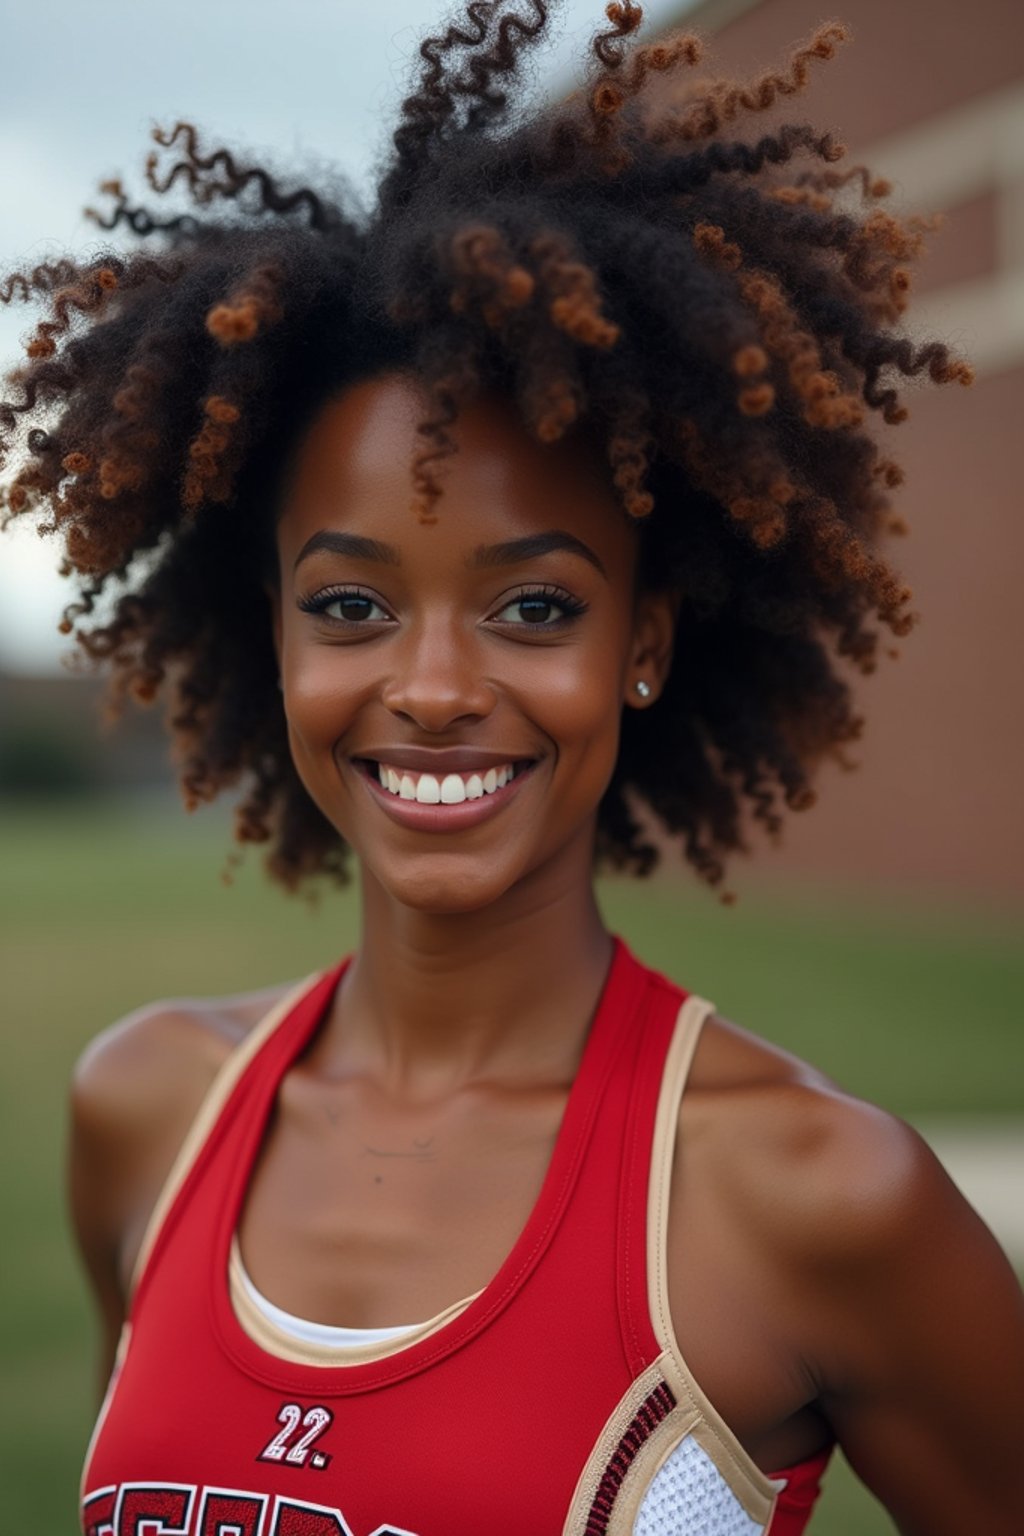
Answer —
(184, 1509)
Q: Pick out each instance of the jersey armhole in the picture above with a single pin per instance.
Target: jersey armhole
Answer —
(756, 1491)
(206, 1118)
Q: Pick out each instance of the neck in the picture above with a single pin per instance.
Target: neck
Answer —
(508, 990)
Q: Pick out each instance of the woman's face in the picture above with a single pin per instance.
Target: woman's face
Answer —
(501, 640)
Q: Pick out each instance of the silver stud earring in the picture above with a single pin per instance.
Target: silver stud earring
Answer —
(643, 689)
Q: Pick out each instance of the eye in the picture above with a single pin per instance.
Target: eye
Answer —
(345, 605)
(540, 608)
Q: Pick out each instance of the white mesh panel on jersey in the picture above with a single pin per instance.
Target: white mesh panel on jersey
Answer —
(689, 1497)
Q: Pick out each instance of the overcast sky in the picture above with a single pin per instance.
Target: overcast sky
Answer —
(83, 83)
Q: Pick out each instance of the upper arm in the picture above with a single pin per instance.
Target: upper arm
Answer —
(868, 1288)
(133, 1094)
(94, 1201)
(921, 1337)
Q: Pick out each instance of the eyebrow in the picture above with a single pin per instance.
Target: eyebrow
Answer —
(352, 544)
(534, 544)
(485, 555)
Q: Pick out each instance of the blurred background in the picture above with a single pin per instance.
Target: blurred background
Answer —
(882, 940)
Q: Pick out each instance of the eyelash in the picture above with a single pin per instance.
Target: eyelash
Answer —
(319, 602)
(557, 597)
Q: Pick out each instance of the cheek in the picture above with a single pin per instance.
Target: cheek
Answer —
(324, 683)
(581, 703)
(322, 692)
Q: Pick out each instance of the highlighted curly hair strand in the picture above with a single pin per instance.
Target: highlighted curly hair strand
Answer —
(718, 310)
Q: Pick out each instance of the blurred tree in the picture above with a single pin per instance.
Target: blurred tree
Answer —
(40, 759)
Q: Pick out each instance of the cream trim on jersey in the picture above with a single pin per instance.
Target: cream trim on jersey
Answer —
(693, 1416)
(635, 1484)
(683, 1423)
(284, 1346)
(123, 1341)
(687, 1420)
(303, 1328)
(755, 1491)
(208, 1113)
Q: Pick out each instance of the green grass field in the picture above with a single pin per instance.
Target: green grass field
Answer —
(100, 911)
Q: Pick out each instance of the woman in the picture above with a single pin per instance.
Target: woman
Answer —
(619, 359)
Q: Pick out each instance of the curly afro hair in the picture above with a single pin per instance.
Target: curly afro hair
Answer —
(719, 311)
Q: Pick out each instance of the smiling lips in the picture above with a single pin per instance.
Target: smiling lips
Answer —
(452, 789)
(443, 788)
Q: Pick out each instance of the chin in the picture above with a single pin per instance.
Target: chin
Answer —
(444, 892)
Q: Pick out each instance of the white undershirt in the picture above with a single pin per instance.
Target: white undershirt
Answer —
(318, 1333)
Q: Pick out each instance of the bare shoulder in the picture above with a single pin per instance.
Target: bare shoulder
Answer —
(876, 1293)
(135, 1091)
(831, 1214)
(160, 1059)
(810, 1170)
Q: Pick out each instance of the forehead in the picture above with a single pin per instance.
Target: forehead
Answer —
(352, 470)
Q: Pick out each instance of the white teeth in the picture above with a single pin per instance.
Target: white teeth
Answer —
(428, 790)
(453, 791)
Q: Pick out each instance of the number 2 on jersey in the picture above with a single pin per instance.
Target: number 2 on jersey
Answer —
(290, 1452)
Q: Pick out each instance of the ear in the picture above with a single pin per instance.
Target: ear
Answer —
(654, 629)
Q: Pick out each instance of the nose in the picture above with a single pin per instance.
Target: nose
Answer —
(436, 678)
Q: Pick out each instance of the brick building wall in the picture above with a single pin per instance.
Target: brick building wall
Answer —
(932, 97)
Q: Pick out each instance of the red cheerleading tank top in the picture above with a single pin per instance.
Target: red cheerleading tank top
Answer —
(553, 1403)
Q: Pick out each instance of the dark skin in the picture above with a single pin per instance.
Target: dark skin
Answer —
(827, 1280)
